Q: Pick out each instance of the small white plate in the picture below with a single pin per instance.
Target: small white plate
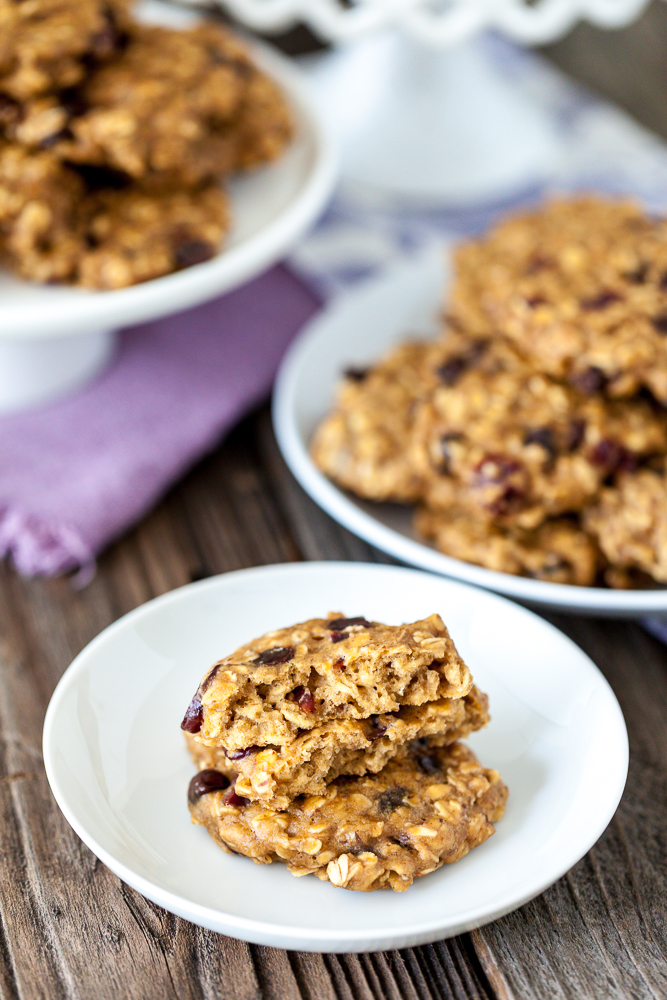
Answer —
(354, 331)
(117, 764)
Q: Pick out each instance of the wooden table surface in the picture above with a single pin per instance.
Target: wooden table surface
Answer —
(69, 928)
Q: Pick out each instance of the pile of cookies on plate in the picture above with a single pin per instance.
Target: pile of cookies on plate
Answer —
(532, 434)
(114, 137)
(333, 746)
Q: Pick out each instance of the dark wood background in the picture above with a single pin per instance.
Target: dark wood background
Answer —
(71, 929)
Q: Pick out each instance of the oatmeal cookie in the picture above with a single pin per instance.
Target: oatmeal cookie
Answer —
(558, 551)
(40, 235)
(176, 108)
(363, 444)
(630, 523)
(429, 806)
(325, 669)
(133, 235)
(580, 286)
(49, 45)
(276, 775)
(520, 446)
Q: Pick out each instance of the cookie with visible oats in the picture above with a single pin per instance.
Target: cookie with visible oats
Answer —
(52, 230)
(428, 806)
(363, 444)
(558, 551)
(294, 680)
(629, 521)
(133, 235)
(580, 286)
(49, 45)
(40, 232)
(516, 445)
(276, 775)
(176, 108)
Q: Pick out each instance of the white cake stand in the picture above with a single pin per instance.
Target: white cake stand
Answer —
(423, 125)
(54, 339)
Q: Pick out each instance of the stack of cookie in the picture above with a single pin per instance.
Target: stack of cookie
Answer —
(333, 746)
(532, 434)
(114, 138)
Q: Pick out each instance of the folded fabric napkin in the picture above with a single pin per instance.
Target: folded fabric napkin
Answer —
(75, 474)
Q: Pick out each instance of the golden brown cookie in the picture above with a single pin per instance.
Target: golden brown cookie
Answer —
(177, 107)
(363, 444)
(580, 286)
(558, 551)
(49, 45)
(295, 679)
(133, 235)
(519, 446)
(40, 232)
(428, 806)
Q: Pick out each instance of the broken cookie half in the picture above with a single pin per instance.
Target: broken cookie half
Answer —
(301, 705)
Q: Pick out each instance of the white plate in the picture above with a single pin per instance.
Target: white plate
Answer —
(117, 764)
(354, 331)
(271, 208)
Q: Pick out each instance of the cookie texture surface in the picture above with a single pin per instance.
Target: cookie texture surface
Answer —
(363, 443)
(115, 139)
(522, 446)
(40, 231)
(48, 45)
(427, 807)
(558, 551)
(325, 669)
(276, 775)
(630, 521)
(132, 235)
(580, 286)
(177, 108)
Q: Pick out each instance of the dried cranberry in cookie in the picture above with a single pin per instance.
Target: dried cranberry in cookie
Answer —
(285, 681)
(517, 446)
(133, 235)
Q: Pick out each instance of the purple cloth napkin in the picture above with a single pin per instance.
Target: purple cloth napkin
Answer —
(74, 475)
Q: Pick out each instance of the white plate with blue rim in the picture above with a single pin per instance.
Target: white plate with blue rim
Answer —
(117, 764)
(354, 331)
